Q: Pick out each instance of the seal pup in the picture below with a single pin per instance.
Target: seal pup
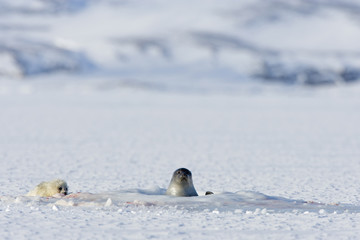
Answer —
(48, 189)
(181, 184)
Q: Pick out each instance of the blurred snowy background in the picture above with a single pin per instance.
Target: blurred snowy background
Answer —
(155, 43)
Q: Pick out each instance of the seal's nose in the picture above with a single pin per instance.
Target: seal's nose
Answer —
(64, 191)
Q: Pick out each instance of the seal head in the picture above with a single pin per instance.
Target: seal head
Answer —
(181, 184)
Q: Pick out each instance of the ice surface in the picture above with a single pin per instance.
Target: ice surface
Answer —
(283, 163)
(241, 201)
(113, 96)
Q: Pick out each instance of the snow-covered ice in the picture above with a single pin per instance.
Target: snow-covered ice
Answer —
(113, 96)
(282, 163)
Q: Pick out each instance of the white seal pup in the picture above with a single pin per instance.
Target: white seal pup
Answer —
(181, 184)
(48, 189)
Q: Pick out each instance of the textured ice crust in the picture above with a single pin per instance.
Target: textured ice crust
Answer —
(241, 201)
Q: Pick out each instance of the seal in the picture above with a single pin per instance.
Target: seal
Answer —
(48, 189)
(181, 184)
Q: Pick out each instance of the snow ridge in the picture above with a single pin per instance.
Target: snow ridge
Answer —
(244, 201)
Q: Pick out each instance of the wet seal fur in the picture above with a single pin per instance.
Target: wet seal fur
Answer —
(48, 189)
(181, 184)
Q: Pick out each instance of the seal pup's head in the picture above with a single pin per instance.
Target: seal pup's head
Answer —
(48, 189)
(61, 186)
(181, 184)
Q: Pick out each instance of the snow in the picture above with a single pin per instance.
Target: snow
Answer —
(281, 41)
(282, 163)
(113, 96)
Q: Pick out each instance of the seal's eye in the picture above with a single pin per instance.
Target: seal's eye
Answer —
(60, 188)
(178, 172)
